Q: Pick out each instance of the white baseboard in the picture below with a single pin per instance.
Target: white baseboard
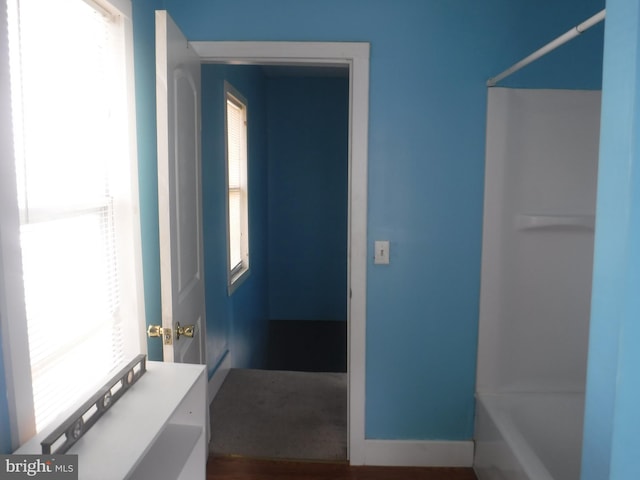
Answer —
(215, 382)
(416, 453)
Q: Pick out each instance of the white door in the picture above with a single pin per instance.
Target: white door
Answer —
(179, 194)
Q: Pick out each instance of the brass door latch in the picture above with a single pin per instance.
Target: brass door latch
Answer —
(167, 333)
(187, 330)
(158, 331)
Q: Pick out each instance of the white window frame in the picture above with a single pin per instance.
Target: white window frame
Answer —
(237, 274)
(13, 321)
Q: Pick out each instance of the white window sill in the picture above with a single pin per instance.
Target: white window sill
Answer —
(237, 279)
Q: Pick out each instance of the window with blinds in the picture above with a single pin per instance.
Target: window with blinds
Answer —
(237, 202)
(73, 166)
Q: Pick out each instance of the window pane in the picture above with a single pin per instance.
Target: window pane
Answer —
(71, 293)
(236, 165)
(235, 253)
(65, 113)
(235, 139)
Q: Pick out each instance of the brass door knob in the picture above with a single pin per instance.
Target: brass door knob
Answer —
(158, 331)
(154, 331)
(187, 330)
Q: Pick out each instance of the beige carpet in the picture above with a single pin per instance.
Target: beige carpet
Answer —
(278, 414)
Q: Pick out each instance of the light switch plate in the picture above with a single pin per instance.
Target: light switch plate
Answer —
(381, 256)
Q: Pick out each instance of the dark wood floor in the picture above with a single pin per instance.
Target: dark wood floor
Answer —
(234, 468)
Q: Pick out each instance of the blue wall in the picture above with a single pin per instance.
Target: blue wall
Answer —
(145, 80)
(612, 417)
(575, 65)
(430, 60)
(236, 323)
(308, 192)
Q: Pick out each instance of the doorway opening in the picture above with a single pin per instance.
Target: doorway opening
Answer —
(296, 119)
(355, 58)
(307, 151)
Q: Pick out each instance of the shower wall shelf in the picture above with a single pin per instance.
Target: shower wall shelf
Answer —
(574, 222)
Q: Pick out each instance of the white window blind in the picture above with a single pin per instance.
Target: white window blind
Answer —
(235, 142)
(237, 186)
(68, 103)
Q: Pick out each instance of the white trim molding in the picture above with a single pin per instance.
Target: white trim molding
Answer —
(418, 453)
(355, 55)
(214, 384)
(218, 377)
(289, 53)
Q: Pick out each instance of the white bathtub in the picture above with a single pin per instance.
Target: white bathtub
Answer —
(532, 436)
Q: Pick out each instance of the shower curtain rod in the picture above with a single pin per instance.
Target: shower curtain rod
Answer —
(564, 38)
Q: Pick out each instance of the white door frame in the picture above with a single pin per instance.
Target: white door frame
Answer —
(356, 57)
(13, 317)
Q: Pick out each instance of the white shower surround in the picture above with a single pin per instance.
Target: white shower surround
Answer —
(540, 192)
(526, 436)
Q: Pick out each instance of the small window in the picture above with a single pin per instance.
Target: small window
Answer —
(237, 192)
